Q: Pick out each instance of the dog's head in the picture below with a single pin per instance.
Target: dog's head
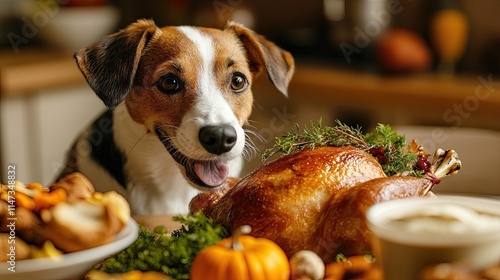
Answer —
(189, 86)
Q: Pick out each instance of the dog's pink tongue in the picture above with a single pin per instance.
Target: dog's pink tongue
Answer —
(212, 173)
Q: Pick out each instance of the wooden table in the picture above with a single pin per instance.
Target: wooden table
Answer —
(152, 221)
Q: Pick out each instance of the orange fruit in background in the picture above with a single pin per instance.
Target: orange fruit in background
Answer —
(401, 50)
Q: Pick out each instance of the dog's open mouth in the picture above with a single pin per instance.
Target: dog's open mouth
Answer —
(203, 173)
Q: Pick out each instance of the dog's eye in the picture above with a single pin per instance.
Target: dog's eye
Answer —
(238, 82)
(169, 84)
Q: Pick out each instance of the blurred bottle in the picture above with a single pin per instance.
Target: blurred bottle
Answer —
(354, 25)
(449, 30)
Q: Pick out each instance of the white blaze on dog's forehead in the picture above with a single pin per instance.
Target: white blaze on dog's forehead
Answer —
(202, 42)
(211, 106)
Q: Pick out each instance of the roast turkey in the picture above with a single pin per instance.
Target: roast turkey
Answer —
(316, 199)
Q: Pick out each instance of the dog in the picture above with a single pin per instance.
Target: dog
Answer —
(178, 99)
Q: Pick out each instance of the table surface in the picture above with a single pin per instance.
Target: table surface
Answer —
(152, 221)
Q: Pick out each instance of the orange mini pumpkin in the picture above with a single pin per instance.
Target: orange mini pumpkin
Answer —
(241, 257)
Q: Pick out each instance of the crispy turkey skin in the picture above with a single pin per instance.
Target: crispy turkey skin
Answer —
(314, 199)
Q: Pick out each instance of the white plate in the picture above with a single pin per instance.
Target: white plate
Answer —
(73, 265)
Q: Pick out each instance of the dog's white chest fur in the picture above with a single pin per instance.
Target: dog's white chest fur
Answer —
(154, 181)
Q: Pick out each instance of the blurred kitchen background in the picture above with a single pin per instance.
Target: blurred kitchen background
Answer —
(431, 68)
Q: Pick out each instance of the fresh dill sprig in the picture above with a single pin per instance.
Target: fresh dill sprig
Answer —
(384, 143)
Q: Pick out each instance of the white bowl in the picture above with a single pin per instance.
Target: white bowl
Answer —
(73, 28)
(73, 265)
(403, 251)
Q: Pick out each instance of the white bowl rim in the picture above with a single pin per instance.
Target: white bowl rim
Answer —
(122, 240)
(379, 213)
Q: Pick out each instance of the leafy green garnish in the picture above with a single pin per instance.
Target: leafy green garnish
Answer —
(316, 135)
(155, 250)
(384, 143)
(396, 158)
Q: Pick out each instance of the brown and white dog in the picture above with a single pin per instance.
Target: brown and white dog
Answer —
(178, 99)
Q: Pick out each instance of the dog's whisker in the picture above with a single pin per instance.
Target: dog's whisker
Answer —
(251, 126)
(248, 122)
(248, 152)
(250, 149)
(192, 120)
(255, 134)
(167, 126)
(136, 143)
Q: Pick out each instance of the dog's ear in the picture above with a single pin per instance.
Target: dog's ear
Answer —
(109, 65)
(263, 54)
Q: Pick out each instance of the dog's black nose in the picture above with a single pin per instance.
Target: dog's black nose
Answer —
(217, 139)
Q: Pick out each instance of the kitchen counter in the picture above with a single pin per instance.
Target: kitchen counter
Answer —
(32, 71)
(423, 90)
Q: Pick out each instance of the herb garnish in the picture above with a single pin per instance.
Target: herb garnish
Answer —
(384, 143)
(155, 250)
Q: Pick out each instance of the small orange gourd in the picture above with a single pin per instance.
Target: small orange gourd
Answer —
(241, 257)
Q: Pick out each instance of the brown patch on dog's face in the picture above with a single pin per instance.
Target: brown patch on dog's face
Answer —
(174, 57)
(231, 60)
(146, 103)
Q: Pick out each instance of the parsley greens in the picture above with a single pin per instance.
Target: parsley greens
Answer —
(155, 250)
